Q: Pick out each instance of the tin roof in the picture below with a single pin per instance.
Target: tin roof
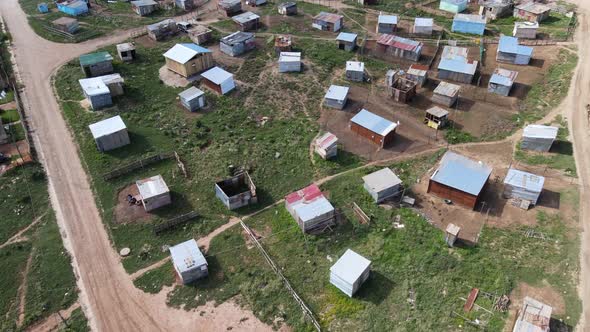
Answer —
(347, 37)
(526, 25)
(326, 140)
(503, 77)
(141, 3)
(453, 229)
(328, 17)
(94, 58)
(77, 4)
(455, 59)
(125, 47)
(355, 66)
(307, 194)
(217, 75)
(387, 19)
(229, 3)
(164, 23)
(245, 17)
(191, 93)
(447, 89)
(287, 4)
(528, 181)
(290, 57)
(337, 92)
(423, 22)
(532, 7)
(374, 122)
(534, 316)
(437, 111)
(152, 186)
(509, 44)
(418, 70)
(350, 266)
(472, 18)
(237, 37)
(382, 179)
(64, 21)
(94, 86)
(399, 42)
(187, 255)
(462, 173)
(107, 127)
(183, 53)
(309, 210)
(540, 131)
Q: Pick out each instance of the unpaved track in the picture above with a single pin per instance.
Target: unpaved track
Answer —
(107, 294)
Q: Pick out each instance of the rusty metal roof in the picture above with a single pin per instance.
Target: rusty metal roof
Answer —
(399, 42)
(328, 17)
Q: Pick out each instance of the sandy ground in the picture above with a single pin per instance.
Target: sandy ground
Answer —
(107, 294)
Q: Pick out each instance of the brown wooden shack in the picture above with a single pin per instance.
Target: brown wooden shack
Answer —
(188, 59)
(373, 127)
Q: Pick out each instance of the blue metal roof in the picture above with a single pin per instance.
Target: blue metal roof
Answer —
(387, 19)
(462, 173)
(458, 66)
(509, 44)
(525, 180)
(373, 122)
(217, 75)
(347, 37)
(501, 80)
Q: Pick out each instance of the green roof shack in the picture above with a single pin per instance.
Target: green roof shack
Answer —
(96, 64)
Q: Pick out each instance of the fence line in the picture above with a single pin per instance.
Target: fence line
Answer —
(137, 165)
(297, 298)
(178, 220)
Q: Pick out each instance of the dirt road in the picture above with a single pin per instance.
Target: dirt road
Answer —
(107, 294)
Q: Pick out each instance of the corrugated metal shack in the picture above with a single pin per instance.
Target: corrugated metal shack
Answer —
(523, 185)
(237, 191)
(455, 65)
(188, 59)
(109, 134)
(154, 192)
(495, 9)
(402, 90)
(230, 7)
(288, 8)
(453, 6)
(373, 127)
(446, 94)
(66, 24)
(74, 8)
(283, 43)
(423, 26)
(328, 22)
(418, 73)
(185, 4)
(526, 30)
(326, 146)
(126, 51)
(467, 23)
(350, 272)
(247, 21)
(192, 98)
(509, 51)
(534, 316)
(382, 184)
(436, 117)
(355, 71)
(161, 30)
(532, 11)
(100, 90)
(96, 64)
(237, 43)
(218, 80)
(310, 209)
(189, 262)
(336, 96)
(502, 81)
(459, 179)
(289, 62)
(144, 7)
(200, 34)
(386, 24)
(399, 47)
(346, 41)
(538, 137)
(255, 3)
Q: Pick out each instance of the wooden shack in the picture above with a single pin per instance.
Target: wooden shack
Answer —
(200, 34)
(66, 24)
(446, 94)
(247, 21)
(126, 51)
(218, 80)
(532, 11)
(399, 47)
(161, 30)
(187, 5)
(100, 90)
(237, 43)
(495, 9)
(237, 191)
(230, 7)
(328, 22)
(373, 127)
(418, 73)
(188, 59)
(436, 117)
(188, 261)
(144, 7)
(402, 90)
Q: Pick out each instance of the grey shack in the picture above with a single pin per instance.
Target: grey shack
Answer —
(96, 64)
(237, 43)
(154, 192)
(189, 262)
(538, 137)
(237, 191)
(382, 184)
(192, 99)
(109, 134)
(336, 97)
(346, 41)
(100, 90)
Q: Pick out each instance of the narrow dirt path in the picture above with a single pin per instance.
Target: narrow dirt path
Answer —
(52, 322)
(22, 291)
(18, 237)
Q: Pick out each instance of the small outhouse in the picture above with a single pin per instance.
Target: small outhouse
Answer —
(66, 24)
(188, 59)
(453, 6)
(386, 24)
(423, 26)
(237, 191)
(247, 21)
(436, 117)
(154, 192)
(468, 23)
(126, 51)
(310, 209)
(328, 22)
(525, 30)
(109, 134)
(289, 62)
(382, 184)
(418, 73)
(355, 71)
(336, 97)
(237, 43)
(144, 7)
(192, 99)
(523, 186)
(538, 137)
(452, 234)
(502, 81)
(350, 272)
(96, 64)
(510, 52)
(346, 41)
(219, 80)
(446, 94)
(288, 8)
(326, 145)
(189, 262)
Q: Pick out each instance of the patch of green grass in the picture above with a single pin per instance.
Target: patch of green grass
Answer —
(9, 97)
(312, 8)
(153, 281)
(16, 131)
(457, 136)
(76, 323)
(13, 259)
(9, 116)
(225, 25)
(325, 56)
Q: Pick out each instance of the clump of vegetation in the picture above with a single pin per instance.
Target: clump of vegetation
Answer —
(457, 136)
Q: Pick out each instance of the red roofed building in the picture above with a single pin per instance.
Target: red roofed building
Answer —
(399, 47)
(312, 211)
(326, 145)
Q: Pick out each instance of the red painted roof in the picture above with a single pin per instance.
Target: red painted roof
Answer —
(327, 140)
(399, 42)
(419, 67)
(308, 194)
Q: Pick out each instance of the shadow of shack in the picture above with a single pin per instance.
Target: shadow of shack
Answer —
(237, 191)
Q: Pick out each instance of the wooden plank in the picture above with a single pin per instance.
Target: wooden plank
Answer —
(471, 300)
